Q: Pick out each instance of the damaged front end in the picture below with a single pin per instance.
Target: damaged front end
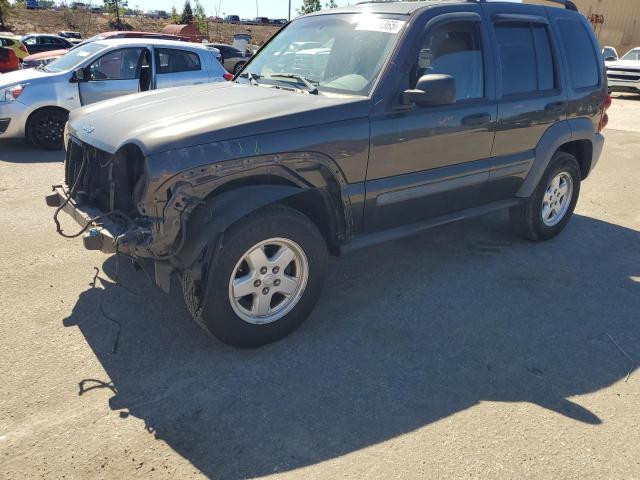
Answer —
(104, 194)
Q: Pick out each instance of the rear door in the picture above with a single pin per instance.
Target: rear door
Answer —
(111, 75)
(176, 67)
(530, 90)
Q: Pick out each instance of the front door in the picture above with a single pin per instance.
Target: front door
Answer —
(429, 161)
(114, 74)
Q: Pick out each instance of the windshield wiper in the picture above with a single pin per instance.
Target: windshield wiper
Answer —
(311, 88)
(252, 77)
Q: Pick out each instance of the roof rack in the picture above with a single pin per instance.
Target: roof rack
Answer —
(568, 4)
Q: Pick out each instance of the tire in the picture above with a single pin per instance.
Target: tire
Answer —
(45, 128)
(535, 219)
(238, 67)
(273, 230)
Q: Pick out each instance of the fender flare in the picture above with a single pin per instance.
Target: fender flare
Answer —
(551, 141)
(218, 213)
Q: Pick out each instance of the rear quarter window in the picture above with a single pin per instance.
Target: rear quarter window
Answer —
(581, 56)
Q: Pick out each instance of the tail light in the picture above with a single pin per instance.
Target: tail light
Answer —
(228, 76)
(604, 119)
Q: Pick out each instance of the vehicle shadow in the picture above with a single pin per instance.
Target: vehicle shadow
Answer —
(405, 334)
(21, 151)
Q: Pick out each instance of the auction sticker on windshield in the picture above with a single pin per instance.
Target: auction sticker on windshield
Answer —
(384, 25)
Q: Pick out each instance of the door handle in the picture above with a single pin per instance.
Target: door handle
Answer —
(476, 119)
(555, 107)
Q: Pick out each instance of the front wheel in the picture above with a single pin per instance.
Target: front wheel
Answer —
(45, 128)
(265, 280)
(548, 210)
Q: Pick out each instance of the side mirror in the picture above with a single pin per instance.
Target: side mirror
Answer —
(78, 75)
(432, 90)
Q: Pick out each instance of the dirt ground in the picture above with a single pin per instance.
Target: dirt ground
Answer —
(21, 21)
(462, 352)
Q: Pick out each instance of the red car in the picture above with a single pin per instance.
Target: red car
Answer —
(8, 60)
(43, 58)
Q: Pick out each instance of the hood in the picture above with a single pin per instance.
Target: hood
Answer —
(163, 120)
(623, 64)
(44, 55)
(30, 75)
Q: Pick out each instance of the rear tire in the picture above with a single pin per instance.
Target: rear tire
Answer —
(45, 128)
(265, 279)
(548, 210)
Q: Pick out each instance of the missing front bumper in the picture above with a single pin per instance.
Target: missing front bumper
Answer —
(100, 235)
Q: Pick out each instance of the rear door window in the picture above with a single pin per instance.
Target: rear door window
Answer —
(526, 58)
(173, 60)
(582, 59)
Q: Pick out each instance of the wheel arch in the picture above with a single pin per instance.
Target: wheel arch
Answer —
(38, 110)
(575, 136)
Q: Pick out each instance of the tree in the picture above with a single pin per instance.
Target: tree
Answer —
(5, 7)
(331, 4)
(200, 16)
(187, 13)
(175, 18)
(113, 7)
(309, 6)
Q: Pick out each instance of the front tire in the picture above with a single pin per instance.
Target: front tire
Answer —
(548, 210)
(45, 128)
(265, 279)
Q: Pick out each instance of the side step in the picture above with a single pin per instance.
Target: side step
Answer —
(369, 239)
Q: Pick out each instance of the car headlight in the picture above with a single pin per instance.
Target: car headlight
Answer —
(9, 94)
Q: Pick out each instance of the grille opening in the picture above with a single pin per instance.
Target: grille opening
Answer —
(109, 182)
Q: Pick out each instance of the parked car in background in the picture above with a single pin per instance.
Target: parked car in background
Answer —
(261, 21)
(38, 59)
(36, 42)
(31, 4)
(234, 19)
(232, 59)
(68, 34)
(624, 75)
(280, 21)
(610, 54)
(8, 60)
(15, 44)
(35, 103)
(420, 114)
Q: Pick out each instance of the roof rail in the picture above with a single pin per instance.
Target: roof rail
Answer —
(568, 4)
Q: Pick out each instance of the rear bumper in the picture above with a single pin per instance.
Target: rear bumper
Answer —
(619, 85)
(100, 235)
(598, 145)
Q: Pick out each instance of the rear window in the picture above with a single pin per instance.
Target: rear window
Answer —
(526, 58)
(583, 63)
(172, 60)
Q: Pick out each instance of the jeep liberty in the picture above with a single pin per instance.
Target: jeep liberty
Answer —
(351, 126)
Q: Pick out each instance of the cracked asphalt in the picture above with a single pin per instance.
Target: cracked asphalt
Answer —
(461, 352)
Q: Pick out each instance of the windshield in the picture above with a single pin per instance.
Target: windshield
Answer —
(73, 58)
(632, 55)
(340, 53)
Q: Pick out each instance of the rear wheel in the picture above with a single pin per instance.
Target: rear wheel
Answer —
(545, 214)
(265, 280)
(45, 128)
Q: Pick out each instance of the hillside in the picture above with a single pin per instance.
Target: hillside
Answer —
(22, 21)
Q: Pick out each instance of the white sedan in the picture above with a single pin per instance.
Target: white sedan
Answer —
(36, 102)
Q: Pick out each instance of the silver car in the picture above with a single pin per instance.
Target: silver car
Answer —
(36, 103)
